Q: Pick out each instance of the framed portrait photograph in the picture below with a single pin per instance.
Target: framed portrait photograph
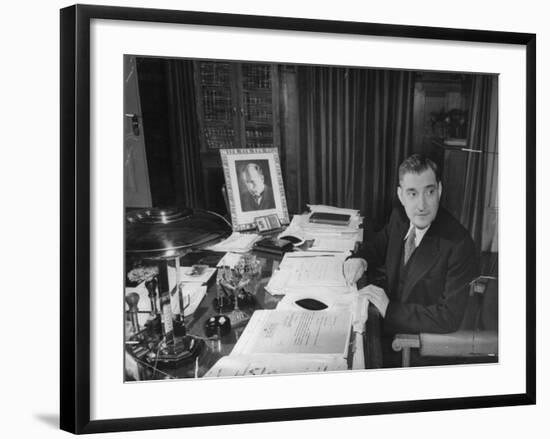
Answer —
(254, 185)
(424, 138)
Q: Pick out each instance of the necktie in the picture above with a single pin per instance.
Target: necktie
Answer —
(410, 245)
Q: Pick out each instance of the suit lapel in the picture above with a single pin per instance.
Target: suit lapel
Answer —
(424, 257)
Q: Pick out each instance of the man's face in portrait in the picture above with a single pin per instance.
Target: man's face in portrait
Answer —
(254, 181)
(419, 194)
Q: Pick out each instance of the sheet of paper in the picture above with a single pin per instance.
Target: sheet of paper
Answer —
(284, 289)
(237, 242)
(192, 297)
(229, 260)
(299, 270)
(320, 271)
(258, 364)
(310, 268)
(187, 276)
(333, 244)
(296, 332)
(277, 284)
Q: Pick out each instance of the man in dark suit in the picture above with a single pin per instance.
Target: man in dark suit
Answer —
(258, 195)
(428, 257)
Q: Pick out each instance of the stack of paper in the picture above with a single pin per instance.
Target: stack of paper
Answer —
(332, 209)
(327, 237)
(237, 242)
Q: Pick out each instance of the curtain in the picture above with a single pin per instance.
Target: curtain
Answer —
(355, 130)
(480, 203)
(184, 134)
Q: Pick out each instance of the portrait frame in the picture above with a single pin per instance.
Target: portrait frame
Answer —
(242, 210)
(79, 211)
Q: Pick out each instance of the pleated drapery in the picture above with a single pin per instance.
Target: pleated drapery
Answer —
(479, 211)
(184, 133)
(355, 130)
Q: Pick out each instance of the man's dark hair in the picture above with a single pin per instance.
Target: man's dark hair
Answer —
(417, 164)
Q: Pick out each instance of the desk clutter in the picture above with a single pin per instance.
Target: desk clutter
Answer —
(192, 286)
(316, 315)
(290, 339)
(273, 245)
(329, 228)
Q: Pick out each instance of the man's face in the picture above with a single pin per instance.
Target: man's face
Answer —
(254, 182)
(419, 194)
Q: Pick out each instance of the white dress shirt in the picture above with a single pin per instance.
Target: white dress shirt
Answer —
(418, 236)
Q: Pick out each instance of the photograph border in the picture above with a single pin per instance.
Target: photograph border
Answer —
(232, 192)
(75, 213)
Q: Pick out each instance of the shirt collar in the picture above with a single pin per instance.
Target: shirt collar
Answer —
(419, 234)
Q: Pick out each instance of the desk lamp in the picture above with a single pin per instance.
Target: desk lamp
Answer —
(158, 237)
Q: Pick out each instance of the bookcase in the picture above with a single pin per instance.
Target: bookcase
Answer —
(237, 104)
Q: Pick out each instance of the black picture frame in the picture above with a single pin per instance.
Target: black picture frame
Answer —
(75, 217)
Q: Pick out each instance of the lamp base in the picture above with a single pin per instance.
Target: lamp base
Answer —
(182, 350)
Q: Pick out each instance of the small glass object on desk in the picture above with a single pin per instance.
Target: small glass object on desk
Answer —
(237, 287)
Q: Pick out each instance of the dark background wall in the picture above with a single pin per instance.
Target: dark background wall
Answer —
(436, 95)
(413, 112)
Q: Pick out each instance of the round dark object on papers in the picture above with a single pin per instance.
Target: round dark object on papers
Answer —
(295, 240)
(311, 304)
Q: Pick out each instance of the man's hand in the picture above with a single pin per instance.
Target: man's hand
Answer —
(354, 269)
(378, 297)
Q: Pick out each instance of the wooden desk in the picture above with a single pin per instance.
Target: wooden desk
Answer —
(212, 350)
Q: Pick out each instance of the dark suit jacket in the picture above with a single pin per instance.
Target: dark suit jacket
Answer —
(435, 289)
(248, 204)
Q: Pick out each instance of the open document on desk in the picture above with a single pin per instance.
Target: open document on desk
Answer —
(258, 364)
(283, 341)
(299, 270)
(296, 332)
